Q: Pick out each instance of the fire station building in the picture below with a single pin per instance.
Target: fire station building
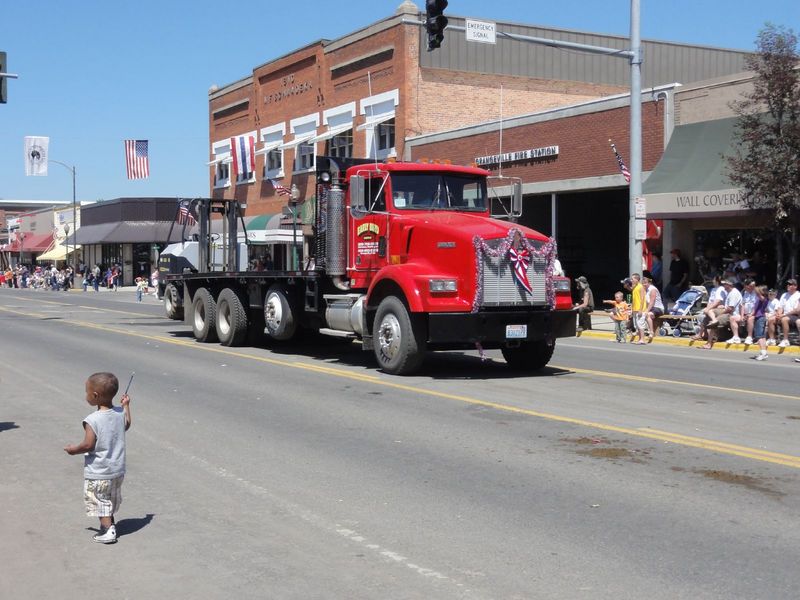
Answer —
(377, 93)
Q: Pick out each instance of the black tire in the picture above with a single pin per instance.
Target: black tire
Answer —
(231, 318)
(279, 318)
(529, 356)
(204, 316)
(397, 340)
(173, 304)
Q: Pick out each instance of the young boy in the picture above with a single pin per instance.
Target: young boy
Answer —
(141, 288)
(104, 445)
(620, 314)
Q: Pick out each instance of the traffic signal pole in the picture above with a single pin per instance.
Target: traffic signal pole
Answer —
(634, 56)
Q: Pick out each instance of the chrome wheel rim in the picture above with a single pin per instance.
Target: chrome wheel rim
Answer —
(389, 337)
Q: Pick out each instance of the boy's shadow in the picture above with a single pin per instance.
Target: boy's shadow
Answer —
(128, 526)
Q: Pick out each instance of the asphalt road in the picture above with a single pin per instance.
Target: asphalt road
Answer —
(303, 472)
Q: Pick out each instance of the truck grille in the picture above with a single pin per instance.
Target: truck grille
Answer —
(500, 288)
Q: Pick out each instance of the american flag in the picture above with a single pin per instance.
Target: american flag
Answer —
(622, 168)
(136, 159)
(184, 215)
(280, 189)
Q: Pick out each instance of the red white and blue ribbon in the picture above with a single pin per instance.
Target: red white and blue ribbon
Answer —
(521, 260)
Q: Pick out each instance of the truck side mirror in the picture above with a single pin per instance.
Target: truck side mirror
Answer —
(357, 197)
(516, 199)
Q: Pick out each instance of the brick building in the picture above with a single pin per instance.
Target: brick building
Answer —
(368, 93)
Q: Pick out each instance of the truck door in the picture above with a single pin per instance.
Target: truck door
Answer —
(370, 229)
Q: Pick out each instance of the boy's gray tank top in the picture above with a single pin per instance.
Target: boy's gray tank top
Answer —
(107, 461)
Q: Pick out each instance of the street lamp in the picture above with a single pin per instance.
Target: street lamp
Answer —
(74, 211)
(21, 245)
(295, 196)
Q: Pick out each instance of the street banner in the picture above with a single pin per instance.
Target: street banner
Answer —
(36, 148)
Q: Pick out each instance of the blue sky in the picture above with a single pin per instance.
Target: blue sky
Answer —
(93, 73)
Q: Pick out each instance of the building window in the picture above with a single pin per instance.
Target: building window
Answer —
(111, 254)
(222, 175)
(272, 139)
(304, 129)
(221, 163)
(305, 157)
(384, 133)
(341, 145)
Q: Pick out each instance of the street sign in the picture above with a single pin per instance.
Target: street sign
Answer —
(641, 229)
(641, 208)
(481, 31)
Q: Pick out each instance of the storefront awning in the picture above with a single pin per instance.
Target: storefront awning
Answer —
(690, 180)
(58, 252)
(128, 232)
(268, 221)
(32, 242)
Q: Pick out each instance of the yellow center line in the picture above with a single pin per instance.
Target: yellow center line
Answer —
(705, 386)
(643, 432)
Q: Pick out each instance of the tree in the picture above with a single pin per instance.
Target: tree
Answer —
(766, 162)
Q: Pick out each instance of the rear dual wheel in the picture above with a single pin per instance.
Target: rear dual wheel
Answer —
(231, 321)
(204, 316)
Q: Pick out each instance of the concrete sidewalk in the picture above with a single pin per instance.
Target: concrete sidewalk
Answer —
(603, 328)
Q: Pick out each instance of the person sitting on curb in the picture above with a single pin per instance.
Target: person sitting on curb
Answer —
(713, 308)
(744, 314)
(789, 311)
(654, 306)
(586, 305)
(732, 302)
(772, 316)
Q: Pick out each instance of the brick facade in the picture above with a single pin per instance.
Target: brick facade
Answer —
(377, 60)
(583, 142)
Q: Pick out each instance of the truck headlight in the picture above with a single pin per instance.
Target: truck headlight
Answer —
(561, 285)
(443, 285)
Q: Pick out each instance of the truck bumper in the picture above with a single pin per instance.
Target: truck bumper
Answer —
(489, 328)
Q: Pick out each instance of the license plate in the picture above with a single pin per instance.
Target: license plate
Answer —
(516, 331)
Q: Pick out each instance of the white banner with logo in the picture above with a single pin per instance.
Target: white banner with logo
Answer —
(36, 148)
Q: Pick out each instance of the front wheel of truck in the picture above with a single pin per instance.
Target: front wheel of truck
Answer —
(398, 341)
(529, 356)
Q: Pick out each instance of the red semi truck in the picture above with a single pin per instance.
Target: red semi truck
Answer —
(405, 257)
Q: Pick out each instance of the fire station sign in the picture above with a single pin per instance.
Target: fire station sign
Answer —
(533, 153)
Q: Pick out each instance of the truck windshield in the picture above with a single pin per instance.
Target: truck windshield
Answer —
(438, 191)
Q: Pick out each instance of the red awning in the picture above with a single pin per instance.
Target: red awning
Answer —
(33, 242)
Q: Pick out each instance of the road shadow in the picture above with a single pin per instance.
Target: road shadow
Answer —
(129, 526)
(5, 425)
(442, 365)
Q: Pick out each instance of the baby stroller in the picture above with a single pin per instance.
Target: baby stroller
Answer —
(684, 316)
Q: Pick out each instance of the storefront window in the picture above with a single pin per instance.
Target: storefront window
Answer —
(736, 253)
(111, 254)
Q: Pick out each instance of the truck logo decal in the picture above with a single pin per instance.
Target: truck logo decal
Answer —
(368, 228)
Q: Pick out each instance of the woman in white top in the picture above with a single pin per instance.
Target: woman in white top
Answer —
(654, 306)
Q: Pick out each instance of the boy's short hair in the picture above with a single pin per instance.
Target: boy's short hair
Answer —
(105, 384)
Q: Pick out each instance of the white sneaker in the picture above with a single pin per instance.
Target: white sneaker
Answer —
(771, 342)
(761, 356)
(748, 340)
(734, 340)
(784, 344)
(109, 536)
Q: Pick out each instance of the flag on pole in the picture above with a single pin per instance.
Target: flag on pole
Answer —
(280, 189)
(184, 214)
(243, 153)
(136, 159)
(622, 168)
(36, 148)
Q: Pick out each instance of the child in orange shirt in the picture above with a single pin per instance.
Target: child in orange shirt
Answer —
(620, 315)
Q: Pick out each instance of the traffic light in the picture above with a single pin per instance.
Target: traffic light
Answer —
(3, 80)
(435, 22)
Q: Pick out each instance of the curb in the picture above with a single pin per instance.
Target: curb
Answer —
(687, 343)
